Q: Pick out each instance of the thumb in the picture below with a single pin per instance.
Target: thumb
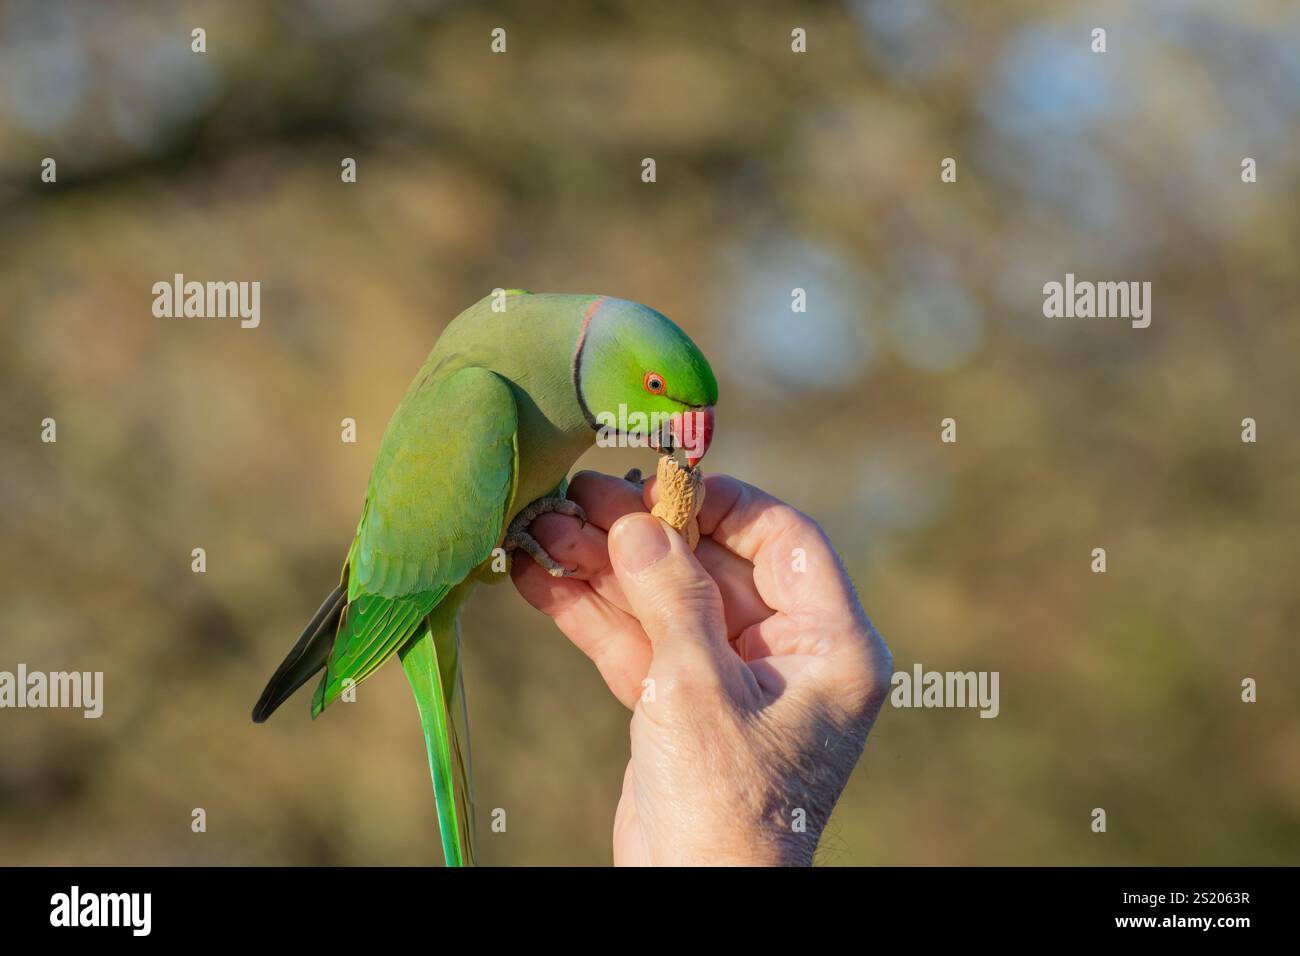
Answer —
(676, 601)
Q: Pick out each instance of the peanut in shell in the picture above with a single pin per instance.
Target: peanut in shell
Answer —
(681, 496)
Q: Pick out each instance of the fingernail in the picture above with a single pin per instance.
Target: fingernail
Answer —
(639, 541)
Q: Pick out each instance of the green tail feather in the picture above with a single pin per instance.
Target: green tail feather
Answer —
(432, 665)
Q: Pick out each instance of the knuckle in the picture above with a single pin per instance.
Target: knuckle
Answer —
(865, 673)
(684, 602)
(582, 484)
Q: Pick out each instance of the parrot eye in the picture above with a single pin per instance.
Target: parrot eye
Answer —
(654, 383)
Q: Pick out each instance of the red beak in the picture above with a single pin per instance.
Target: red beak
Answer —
(693, 433)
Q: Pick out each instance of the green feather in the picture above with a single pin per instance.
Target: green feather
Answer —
(435, 509)
(432, 665)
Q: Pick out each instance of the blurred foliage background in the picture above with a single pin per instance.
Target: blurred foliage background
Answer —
(775, 171)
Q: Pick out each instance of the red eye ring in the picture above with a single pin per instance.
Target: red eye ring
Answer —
(654, 383)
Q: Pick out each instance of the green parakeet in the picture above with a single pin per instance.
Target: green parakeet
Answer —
(516, 388)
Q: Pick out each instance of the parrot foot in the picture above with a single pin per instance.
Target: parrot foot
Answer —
(634, 475)
(518, 537)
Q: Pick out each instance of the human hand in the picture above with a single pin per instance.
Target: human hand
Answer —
(752, 672)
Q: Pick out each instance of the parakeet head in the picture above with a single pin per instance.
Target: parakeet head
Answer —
(639, 375)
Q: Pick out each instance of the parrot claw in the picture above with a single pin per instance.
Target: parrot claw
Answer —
(546, 506)
(523, 541)
(519, 538)
(634, 475)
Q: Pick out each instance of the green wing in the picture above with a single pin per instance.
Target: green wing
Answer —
(436, 506)
(442, 487)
